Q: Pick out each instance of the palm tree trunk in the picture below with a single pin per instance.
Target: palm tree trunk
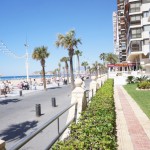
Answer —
(67, 72)
(71, 73)
(78, 66)
(44, 81)
(85, 69)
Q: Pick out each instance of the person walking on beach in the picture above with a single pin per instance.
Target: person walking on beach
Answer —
(34, 84)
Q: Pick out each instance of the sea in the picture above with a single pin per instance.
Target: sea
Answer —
(3, 78)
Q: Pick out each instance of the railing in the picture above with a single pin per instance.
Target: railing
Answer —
(88, 96)
(56, 117)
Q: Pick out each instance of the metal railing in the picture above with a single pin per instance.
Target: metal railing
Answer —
(56, 117)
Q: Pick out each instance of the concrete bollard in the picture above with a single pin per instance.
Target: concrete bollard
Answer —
(98, 82)
(54, 102)
(38, 110)
(78, 95)
(20, 92)
(93, 85)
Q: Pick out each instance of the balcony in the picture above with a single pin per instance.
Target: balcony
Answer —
(145, 49)
(134, 51)
(145, 61)
(145, 35)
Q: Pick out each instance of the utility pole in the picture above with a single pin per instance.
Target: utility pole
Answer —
(27, 58)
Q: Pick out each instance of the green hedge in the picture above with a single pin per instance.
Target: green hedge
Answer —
(96, 128)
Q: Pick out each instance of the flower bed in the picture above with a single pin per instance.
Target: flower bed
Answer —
(96, 128)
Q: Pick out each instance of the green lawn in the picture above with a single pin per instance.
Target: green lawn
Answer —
(141, 97)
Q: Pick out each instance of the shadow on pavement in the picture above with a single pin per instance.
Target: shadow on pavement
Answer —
(54, 87)
(17, 131)
(7, 101)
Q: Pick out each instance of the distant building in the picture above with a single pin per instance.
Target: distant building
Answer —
(134, 33)
(115, 33)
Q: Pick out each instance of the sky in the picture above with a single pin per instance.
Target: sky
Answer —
(40, 21)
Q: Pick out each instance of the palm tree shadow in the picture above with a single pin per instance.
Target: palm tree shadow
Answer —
(7, 101)
(17, 131)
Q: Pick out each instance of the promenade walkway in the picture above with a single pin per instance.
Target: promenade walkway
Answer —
(133, 126)
(15, 91)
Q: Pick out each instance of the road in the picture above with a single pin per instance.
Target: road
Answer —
(18, 119)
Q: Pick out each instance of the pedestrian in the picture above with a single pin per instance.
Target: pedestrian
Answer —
(34, 84)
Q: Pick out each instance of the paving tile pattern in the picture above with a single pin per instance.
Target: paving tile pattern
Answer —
(132, 133)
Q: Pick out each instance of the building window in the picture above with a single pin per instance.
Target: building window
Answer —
(146, 42)
(145, 1)
(136, 33)
(135, 20)
(135, 47)
(146, 28)
(145, 14)
(135, 7)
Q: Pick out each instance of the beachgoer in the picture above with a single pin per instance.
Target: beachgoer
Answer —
(34, 84)
(3, 89)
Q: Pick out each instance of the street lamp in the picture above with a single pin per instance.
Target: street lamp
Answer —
(27, 64)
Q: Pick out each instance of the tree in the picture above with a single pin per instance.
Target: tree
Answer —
(112, 58)
(78, 53)
(65, 60)
(95, 68)
(68, 42)
(84, 64)
(89, 70)
(100, 66)
(63, 71)
(59, 67)
(40, 53)
(102, 56)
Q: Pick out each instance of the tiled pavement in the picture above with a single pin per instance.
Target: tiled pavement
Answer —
(133, 126)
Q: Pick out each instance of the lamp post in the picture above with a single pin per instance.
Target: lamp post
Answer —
(27, 64)
(149, 43)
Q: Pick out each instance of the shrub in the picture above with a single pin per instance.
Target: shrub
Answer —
(142, 78)
(144, 85)
(96, 128)
(130, 79)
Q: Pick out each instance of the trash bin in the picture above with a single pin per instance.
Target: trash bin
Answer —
(53, 102)
(38, 110)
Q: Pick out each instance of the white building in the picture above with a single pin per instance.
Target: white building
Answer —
(134, 28)
(115, 33)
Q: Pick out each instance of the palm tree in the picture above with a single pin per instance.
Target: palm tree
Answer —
(59, 67)
(84, 64)
(65, 60)
(40, 53)
(68, 42)
(78, 53)
(102, 56)
(95, 68)
(112, 58)
(99, 68)
(89, 70)
(63, 71)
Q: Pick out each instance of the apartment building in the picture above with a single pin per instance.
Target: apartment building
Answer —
(134, 33)
(115, 33)
(138, 32)
(121, 30)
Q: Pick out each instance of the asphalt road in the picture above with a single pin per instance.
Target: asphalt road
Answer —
(18, 119)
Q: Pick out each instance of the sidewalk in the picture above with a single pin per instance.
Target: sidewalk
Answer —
(133, 126)
(16, 91)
